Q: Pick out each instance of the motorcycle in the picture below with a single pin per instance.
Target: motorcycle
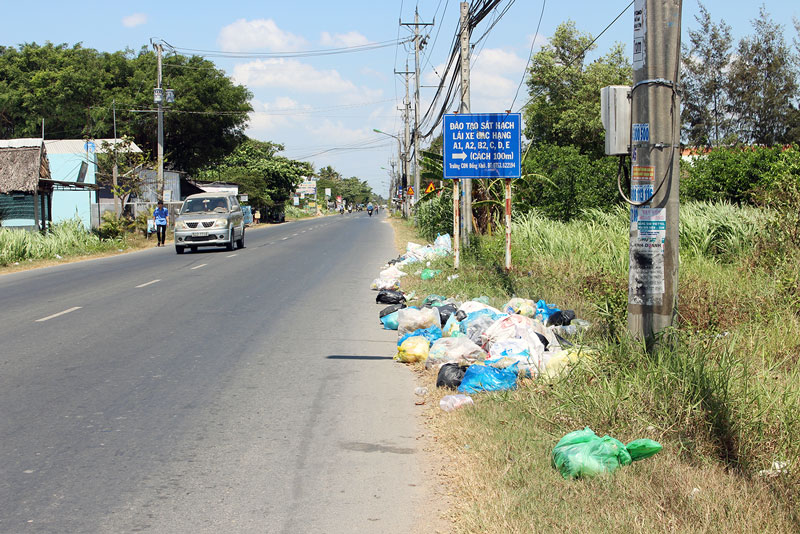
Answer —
(369, 210)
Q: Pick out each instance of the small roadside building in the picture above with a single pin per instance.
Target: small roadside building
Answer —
(26, 187)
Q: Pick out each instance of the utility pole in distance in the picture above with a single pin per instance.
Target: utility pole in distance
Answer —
(158, 95)
(417, 46)
(466, 205)
(655, 156)
(406, 141)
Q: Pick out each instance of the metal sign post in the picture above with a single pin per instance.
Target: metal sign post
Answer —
(482, 145)
(456, 232)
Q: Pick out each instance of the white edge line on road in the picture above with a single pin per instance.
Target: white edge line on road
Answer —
(147, 283)
(198, 266)
(284, 238)
(43, 319)
(231, 255)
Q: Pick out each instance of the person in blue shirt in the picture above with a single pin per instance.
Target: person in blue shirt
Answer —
(161, 217)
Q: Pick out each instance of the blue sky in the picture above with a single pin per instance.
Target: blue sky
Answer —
(324, 108)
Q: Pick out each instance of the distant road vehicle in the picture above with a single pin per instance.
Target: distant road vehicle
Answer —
(209, 220)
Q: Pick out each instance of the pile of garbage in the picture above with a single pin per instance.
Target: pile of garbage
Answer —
(472, 345)
(475, 347)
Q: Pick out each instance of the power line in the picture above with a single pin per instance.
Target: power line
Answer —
(286, 55)
(530, 56)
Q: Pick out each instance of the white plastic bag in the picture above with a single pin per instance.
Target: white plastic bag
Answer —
(453, 402)
(473, 306)
(411, 319)
(454, 350)
(391, 272)
(524, 307)
(444, 241)
(384, 283)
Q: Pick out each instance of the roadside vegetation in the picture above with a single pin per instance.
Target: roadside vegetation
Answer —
(66, 240)
(721, 390)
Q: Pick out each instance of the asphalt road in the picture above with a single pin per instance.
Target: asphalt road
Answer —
(245, 391)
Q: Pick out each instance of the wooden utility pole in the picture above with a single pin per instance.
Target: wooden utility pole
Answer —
(406, 142)
(655, 155)
(466, 203)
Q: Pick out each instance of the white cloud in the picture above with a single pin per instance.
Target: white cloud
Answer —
(270, 117)
(342, 40)
(245, 35)
(290, 74)
(137, 19)
(540, 42)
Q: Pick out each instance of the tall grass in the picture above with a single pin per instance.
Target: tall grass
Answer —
(66, 238)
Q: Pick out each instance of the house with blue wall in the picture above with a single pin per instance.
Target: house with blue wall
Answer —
(73, 160)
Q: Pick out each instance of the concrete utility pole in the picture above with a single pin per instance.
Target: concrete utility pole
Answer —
(417, 47)
(160, 102)
(466, 203)
(655, 155)
(114, 169)
(406, 142)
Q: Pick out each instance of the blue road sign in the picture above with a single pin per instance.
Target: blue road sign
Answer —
(482, 145)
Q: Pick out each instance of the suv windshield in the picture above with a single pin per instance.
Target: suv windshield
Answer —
(205, 205)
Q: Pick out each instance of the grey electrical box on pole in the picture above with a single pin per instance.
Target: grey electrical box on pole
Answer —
(615, 114)
(655, 156)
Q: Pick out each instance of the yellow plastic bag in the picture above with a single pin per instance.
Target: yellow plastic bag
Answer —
(413, 349)
(566, 358)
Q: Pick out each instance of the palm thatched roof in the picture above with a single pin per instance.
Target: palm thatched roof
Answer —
(21, 168)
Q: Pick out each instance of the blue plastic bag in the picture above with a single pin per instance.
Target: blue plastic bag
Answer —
(391, 321)
(545, 310)
(477, 314)
(432, 333)
(484, 378)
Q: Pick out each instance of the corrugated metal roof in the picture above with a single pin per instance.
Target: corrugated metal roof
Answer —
(78, 146)
(21, 143)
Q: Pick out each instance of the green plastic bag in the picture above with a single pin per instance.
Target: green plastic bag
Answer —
(427, 274)
(583, 454)
(433, 300)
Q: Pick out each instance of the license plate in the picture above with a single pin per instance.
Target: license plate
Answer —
(199, 234)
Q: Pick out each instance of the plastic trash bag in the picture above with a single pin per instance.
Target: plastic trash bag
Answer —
(432, 333)
(389, 296)
(390, 321)
(444, 242)
(454, 349)
(445, 311)
(472, 306)
(484, 378)
(545, 310)
(427, 274)
(563, 359)
(515, 327)
(639, 449)
(507, 352)
(561, 318)
(451, 326)
(411, 319)
(450, 376)
(583, 454)
(391, 309)
(524, 307)
(413, 349)
(392, 272)
(453, 402)
(477, 322)
(385, 283)
(433, 301)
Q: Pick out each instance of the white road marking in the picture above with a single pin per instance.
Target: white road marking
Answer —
(231, 255)
(147, 283)
(284, 238)
(198, 266)
(294, 234)
(43, 319)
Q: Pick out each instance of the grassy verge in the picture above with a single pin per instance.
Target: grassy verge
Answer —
(723, 399)
(67, 241)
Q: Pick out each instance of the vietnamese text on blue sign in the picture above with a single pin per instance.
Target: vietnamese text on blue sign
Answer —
(482, 145)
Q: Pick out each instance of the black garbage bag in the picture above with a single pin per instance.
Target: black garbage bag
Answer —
(461, 315)
(389, 296)
(561, 318)
(543, 340)
(391, 309)
(450, 376)
(446, 311)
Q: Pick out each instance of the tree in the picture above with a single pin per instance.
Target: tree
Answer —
(75, 89)
(705, 65)
(269, 180)
(763, 84)
(564, 108)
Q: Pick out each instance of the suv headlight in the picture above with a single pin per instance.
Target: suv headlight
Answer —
(221, 223)
(181, 225)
